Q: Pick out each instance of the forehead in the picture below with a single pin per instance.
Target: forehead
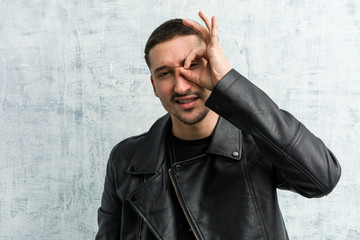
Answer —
(172, 53)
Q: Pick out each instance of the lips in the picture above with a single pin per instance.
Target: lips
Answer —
(186, 102)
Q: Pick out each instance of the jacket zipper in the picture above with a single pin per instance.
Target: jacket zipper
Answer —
(182, 205)
(140, 218)
(140, 226)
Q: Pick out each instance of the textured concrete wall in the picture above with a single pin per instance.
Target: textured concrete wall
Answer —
(73, 83)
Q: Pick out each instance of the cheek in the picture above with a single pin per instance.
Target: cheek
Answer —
(164, 89)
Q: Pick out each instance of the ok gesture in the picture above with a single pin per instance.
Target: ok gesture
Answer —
(217, 64)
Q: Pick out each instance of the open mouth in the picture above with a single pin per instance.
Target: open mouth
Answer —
(186, 102)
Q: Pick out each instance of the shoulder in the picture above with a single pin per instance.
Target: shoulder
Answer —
(140, 146)
(121, 157)
(125, 150)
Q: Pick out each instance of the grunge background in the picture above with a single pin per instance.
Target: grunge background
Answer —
(73, 83)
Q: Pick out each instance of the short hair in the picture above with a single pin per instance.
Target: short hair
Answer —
(165, 32)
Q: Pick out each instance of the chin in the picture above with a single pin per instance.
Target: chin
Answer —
(191, 120)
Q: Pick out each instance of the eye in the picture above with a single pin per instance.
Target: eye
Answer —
(163, 74)
(194, 65)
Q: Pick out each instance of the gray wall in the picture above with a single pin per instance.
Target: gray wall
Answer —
(73, 83)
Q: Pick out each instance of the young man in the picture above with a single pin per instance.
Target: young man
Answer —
(208, 169)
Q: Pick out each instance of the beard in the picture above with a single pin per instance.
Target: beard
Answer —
(198, 117)
(190, 117)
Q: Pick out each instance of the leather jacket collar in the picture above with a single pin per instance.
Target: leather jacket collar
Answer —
(226, 141)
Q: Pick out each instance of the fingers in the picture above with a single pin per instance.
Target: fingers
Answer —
(196, 53)
(190, 75)
(216, 64)
(209, 34)
(202, 31)
(212, 25)
(206, 20)
(214, 31)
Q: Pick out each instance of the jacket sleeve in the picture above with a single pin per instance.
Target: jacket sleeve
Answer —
(109, 214)
(303, 162)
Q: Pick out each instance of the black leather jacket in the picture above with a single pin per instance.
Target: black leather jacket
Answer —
(229, 193)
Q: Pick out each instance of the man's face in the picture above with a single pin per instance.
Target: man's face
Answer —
(184, 100)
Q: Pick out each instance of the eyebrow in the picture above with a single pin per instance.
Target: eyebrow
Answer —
(160, 68)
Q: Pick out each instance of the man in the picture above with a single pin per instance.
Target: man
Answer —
(208, 169)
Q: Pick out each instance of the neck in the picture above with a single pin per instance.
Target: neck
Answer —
(202, 129)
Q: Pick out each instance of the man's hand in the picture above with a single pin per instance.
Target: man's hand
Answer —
(217, 63)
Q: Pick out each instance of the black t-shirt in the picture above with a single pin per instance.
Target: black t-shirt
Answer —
(180, 150)
(187, 149)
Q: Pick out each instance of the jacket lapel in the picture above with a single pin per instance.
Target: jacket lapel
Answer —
(151, 152)
(226, 140)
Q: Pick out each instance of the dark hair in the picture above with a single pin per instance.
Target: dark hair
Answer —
(165, 32)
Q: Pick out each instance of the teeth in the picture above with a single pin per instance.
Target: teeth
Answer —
(186, 101)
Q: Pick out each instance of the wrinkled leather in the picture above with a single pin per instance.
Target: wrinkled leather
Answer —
(229, 193)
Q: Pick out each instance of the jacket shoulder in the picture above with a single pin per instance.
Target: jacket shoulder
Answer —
(123, 152)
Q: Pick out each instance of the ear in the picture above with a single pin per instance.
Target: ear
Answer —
(152, 83)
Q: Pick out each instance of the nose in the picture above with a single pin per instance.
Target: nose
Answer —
(182, 85)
